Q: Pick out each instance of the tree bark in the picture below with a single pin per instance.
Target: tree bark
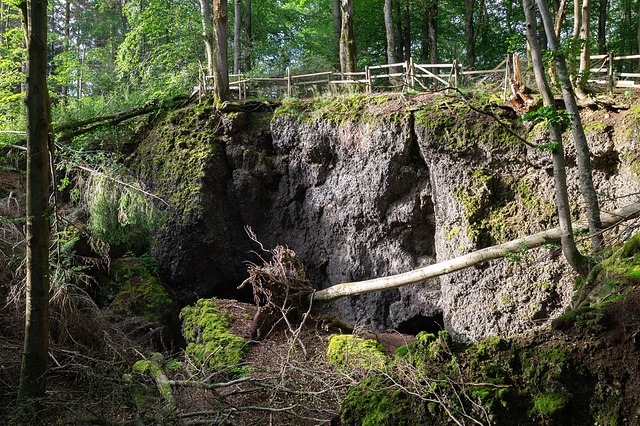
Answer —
(249, 37)
(36, 342)
(582, 147)
(67, 41)
(237, 33)
(577, 19)
(207, 33)
(348, 53)
(406, 32)
(397, 22)
(388, 25)
(433, 33)
(337, 26)
(469, 33)
(220, 36)
(571, 253)
(551, 236)
(585, 54)
(602, 26)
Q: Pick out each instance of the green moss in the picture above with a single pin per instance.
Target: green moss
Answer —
(154, 368)
(347, 349)
(372, 403)
(495, 208)
(146, 298)
(549, 403)
(133, 289)
(209, 342)
(176, 156)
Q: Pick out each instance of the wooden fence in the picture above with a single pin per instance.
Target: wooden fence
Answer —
(401, 76)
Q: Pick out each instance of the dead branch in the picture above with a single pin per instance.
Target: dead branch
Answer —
(477, 257)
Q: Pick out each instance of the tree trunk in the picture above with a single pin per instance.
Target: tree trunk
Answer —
(337, 25)
(207, 33)
(249, 37)
(220, 36)
(551, 236)
(582, 148)
(577, 19)
(585, 54)
(36, 341)
(602, 22)
(388, 25)
(348, 54)
(397, 22)
(406, 32)
(237, 29)
(469, 33)
(571, 253)
(67, 42)
(433, 33)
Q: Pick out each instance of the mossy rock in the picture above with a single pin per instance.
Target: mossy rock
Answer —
(209, 342)
(346, 349)
(373, 403)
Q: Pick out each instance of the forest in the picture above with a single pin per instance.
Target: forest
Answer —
(400, 254)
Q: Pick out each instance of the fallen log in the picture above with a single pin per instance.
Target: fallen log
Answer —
(551, 236)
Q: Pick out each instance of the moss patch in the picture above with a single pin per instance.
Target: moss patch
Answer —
(209, 343)
(347, 349)
(372, 403)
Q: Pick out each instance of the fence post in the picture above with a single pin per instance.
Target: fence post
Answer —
(288, 82)
(412, 74)
(367, 76)
(506, 76)
(455, 74)
(610, 73)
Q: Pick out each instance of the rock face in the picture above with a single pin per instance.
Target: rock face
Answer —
(369, 198)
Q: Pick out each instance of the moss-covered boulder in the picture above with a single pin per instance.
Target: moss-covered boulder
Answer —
(209, 342)
(347, 349)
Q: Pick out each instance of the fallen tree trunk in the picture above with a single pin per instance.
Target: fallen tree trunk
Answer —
(551, 236)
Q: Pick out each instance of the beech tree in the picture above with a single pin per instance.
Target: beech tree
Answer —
(348, 53)
(237, 28)
(36, 342)
(388, 25)
(571, 253)
(582, 147)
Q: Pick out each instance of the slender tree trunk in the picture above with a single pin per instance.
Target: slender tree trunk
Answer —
(571, 253)
(220, 37)
(36, 342)
(406, 32)
(207, 33)
(577, 19)
(397, 22)
(638, 37)
(433, 33)
(469, 33)
(560, 16)
(388, 25)
(237, 30)
(602, 22)
(582, 147)
(348, 54)
(248, 45)
(337, 26)
(585, 54)
(67, 43)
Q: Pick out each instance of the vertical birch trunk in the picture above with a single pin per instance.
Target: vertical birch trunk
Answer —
(207, 33)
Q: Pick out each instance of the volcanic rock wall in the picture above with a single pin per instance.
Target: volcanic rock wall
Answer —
(366, 198)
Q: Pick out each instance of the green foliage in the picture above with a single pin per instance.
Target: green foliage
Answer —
(347, 349)
(119, 214)
(209, 342)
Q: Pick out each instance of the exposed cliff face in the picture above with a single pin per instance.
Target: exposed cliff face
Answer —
(377, 196)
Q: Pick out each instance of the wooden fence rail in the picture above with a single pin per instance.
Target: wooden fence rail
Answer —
(401, 76)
